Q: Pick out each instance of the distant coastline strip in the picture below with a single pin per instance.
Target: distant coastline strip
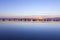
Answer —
(57, 19)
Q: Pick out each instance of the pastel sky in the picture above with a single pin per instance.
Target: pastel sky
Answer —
(29, 7)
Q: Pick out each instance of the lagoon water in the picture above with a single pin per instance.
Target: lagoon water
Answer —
(29, 31)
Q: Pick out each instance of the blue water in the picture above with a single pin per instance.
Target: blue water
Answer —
(29, 31)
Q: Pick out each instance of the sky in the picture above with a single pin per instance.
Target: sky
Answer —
(29, 7)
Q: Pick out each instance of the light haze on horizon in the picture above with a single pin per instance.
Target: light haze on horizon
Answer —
(29, 7)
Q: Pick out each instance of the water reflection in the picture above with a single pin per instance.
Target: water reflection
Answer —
(36, 31)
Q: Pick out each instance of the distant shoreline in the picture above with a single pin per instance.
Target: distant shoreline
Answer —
(31, 19)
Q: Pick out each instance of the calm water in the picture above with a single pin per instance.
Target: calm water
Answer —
(29, 31)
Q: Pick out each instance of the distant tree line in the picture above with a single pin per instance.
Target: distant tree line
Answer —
(30, 19)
